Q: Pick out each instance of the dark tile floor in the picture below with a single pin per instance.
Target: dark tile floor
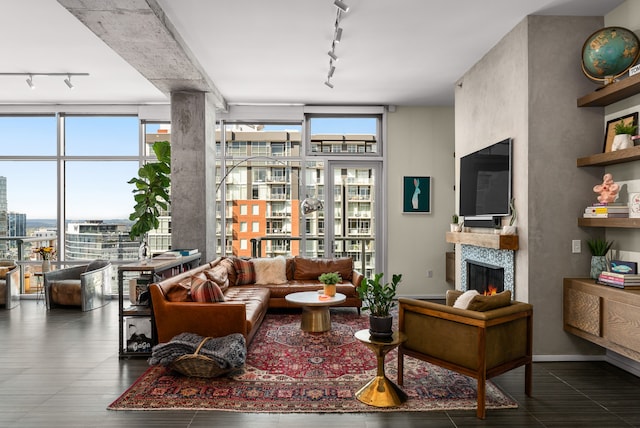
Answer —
(61, 369)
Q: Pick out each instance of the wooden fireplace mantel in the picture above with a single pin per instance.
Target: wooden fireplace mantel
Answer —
(486, 240)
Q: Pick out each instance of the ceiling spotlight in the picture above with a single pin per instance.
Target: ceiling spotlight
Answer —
(30, 82)
(332, 69)
(341, 5)
(338, 35)
(67, 81)
(328, 83)
(332, 55)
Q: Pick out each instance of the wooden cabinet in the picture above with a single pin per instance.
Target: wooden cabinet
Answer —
(450, 268)
(607, 316)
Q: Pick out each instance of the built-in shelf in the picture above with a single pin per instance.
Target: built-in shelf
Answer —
(611, 158)
(611, 93)
(632, 223)
(486, 240)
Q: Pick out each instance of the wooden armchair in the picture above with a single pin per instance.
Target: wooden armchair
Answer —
(85, 286)
(477, 344)
(9, 284)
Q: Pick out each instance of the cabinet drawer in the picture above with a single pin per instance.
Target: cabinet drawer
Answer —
(582, 311)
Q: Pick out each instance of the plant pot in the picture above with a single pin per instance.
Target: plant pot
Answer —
(380, 326)
(621, 141)
(598, 265)
(330, 290)
(455, 227)
(509, 230)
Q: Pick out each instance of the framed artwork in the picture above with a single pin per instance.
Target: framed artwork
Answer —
(416, 195)
(610, 132)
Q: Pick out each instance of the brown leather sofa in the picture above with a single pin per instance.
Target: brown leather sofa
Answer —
(245, 304)
(9, 284)
(479, 344)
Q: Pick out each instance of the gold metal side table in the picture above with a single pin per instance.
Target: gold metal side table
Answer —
(380, 391)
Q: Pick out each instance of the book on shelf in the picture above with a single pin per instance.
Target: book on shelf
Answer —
(606, 215)
(186, 251)
(168, 255)
(621, 286)
(607, 209)
(621, 276)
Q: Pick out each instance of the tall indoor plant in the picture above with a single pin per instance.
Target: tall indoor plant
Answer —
(378, 299)
(151, 193)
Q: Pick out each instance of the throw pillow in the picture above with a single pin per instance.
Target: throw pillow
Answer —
(205, 291)
(231, 270)
(245, 272)
(179, 292)
(462, 302)
(270, 270)
(5, 270)
(218, 274)
(486, 303)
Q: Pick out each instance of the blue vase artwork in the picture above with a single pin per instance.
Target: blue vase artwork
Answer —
(416, 195)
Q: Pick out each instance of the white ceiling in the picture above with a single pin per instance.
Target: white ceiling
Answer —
(400, 52)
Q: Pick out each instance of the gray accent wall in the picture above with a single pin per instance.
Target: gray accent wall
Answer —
(526, 88)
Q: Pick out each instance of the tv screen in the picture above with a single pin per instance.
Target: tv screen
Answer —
(485, 181)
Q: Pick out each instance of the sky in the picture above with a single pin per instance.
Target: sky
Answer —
(94, 190)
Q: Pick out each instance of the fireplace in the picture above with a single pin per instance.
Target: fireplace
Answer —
(485, 278)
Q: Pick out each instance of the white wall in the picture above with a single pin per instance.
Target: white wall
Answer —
(420, 142)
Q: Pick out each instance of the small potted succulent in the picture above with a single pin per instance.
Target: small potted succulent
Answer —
(378, 299)
(455, 223)
(622, 139)
(330, 279)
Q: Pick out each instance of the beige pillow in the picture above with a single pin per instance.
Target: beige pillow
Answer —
(219, 275)
(486, 303)
(463, 300)
(270, 270)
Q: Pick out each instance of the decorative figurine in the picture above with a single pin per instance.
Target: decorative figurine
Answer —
(608, 189)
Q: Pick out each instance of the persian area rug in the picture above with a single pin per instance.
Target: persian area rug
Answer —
(291, 371)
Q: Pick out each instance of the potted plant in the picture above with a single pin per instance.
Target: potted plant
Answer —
(378, 299)
(151, 193)
(622, 139)
(330, 279)
(599, 249)
(455, 223)
(511, 229)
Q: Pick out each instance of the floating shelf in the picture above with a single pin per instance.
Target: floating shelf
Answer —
(611, 93)
(619, 156)
(486, 240)
(630, 223)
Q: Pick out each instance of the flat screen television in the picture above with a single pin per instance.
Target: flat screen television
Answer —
(485, 182)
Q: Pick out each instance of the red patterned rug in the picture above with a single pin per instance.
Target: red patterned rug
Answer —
(288, 370)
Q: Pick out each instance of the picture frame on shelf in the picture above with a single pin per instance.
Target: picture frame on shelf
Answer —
(416, 194)
(609, 132)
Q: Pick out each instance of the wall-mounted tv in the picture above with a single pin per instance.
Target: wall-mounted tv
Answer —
(485, 182)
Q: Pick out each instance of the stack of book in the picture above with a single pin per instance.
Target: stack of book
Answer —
(620, 280)
(604, 210)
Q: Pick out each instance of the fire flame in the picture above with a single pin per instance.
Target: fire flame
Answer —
(491, 290)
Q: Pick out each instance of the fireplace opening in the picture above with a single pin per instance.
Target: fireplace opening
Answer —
(485, 278)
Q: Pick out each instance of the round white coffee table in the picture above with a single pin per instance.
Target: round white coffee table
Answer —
(315, 312)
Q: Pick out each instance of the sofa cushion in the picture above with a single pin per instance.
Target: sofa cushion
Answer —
(66, 292)
(219, 275)
(270, 270)
(5, 270)
(205, 290)
(179, 291)
(306, 268)
(486, 303)
(231, 270)
(245, 272)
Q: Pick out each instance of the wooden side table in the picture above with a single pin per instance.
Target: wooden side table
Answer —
(380, 391)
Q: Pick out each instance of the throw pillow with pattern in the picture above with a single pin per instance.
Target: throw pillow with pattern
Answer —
(245, 272)
(205, 291)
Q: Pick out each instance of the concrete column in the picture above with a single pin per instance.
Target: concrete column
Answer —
(193, 172)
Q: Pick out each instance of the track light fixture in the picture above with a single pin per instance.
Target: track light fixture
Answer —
(32, 85)
(67, 81)
(342, 6)
(338, 35)
(333, 55)
(328, 83)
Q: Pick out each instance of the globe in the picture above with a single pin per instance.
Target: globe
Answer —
(610, 51)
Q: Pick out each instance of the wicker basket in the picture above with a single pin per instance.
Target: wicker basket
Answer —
(198, 365)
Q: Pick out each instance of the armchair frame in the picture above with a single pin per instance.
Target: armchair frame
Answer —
(12, 285)
(480, 345)
(93, 285)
